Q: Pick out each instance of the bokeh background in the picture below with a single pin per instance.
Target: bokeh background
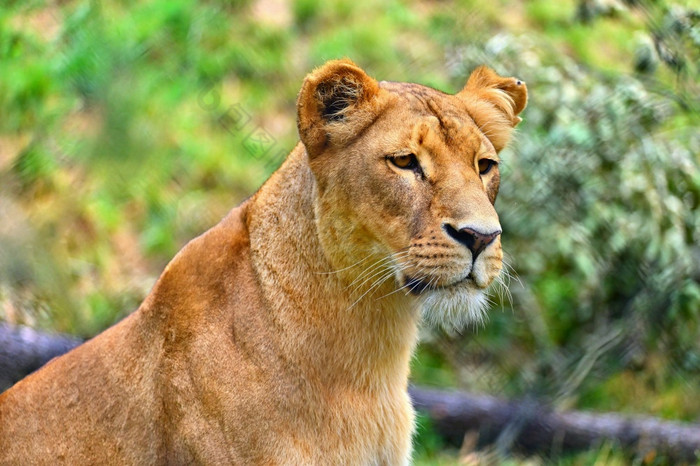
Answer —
(128, 128)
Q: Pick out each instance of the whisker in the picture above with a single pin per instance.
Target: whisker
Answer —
(372, 273)
(395, 291)
(419, 279)
(512, 274)
(370, 270)
(373, 287)
(508, 294)
(433, 282)
(410, 284)
(345, 268)
(377, 271)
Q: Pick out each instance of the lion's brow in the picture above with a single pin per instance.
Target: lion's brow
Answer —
(451, 118)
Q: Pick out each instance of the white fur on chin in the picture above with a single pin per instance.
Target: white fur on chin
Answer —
(454, 308)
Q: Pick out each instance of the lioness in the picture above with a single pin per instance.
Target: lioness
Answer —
(283, 335)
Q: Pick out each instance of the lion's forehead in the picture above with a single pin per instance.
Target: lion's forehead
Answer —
(435, 118)
(448, 136)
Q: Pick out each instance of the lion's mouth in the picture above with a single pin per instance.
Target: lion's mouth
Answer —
(418, 286)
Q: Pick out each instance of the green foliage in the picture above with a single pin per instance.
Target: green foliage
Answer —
(430, 368)
(428, 443)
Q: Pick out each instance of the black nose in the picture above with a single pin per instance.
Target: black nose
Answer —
(474, 240)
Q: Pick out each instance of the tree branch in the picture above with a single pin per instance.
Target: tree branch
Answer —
(532, 427)
(23, 350)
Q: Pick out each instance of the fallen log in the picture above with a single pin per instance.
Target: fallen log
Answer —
(23, 350)
(526, 426)
(532, 427)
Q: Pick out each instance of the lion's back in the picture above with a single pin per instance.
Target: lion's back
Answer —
(122, 397)
(82, 407)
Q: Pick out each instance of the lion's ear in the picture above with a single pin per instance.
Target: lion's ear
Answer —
(494, 103)
(329, 103)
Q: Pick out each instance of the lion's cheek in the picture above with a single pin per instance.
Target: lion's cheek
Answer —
(391, 232)
(389, 214)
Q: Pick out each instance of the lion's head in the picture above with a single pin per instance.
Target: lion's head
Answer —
(407, 177)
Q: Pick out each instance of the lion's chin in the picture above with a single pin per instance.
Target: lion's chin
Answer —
(455, 307)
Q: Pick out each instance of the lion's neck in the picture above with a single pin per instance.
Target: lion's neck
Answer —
(332, 334)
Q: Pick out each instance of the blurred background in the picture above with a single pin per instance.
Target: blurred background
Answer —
(128, 128)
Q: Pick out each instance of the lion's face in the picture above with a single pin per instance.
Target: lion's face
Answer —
(407, 177)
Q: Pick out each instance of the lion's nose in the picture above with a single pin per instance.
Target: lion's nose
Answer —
(474, 240)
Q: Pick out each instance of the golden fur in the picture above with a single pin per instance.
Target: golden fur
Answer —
(283, 335)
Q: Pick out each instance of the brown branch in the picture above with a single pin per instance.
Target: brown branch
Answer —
(23, 350)
(532, 427)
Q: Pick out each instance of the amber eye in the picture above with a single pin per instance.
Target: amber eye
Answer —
(405, 162)
(485, 166)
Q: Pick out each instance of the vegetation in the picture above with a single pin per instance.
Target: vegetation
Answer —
(129, 128)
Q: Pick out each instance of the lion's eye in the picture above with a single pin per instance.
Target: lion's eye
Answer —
(405, 162)
(485, 166)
